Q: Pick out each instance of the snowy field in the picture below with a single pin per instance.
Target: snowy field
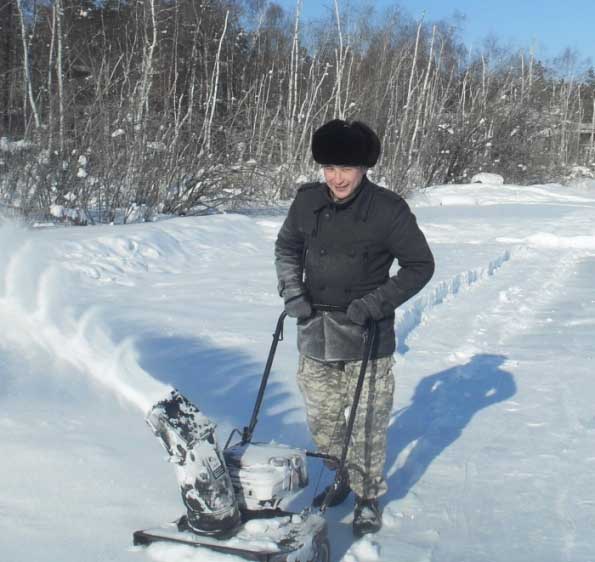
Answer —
(491, 447)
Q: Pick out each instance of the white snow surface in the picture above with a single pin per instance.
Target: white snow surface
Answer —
(486, 177)
(490, 454)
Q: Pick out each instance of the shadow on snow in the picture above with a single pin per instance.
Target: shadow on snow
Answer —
(223, 383)
(442, 405)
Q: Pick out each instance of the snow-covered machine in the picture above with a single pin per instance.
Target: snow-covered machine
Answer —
(234, 497)
(263, 475)
(188, 436)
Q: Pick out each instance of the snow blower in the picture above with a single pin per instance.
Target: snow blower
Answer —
(233, 497)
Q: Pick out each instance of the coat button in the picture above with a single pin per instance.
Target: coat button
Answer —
(323, 252)
(327, 215)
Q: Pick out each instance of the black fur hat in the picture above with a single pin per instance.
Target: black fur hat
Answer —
(346, 144)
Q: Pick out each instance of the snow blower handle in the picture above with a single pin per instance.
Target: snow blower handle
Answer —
(369, 336)
(248, 430)
(277, 337)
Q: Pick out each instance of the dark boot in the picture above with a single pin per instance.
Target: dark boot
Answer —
(366, 517)
(338, 496)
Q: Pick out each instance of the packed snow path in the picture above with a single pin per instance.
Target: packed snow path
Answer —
(491, 444)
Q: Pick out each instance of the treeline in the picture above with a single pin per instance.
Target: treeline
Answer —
(182, 106)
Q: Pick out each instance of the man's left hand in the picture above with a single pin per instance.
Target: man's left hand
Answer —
(358, 312)
(372, 306)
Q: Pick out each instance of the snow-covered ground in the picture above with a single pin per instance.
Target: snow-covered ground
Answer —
(491, 454)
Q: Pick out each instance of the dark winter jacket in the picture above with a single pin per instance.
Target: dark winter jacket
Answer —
(335, 252)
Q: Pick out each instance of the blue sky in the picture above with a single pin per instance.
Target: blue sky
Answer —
(548, 25)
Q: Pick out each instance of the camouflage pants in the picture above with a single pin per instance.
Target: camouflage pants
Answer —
(328, 389)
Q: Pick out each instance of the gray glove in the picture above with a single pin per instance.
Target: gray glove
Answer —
(358, 312)
(298, 307)
(372, 306)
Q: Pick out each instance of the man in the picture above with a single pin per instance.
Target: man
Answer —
(333, 255)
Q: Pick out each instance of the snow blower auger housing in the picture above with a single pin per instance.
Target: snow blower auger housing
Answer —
(188, 436)
(233, 498)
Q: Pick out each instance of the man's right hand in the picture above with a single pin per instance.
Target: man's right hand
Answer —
(298, 307)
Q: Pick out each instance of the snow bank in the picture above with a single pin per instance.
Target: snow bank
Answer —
(491, 194)
(409, 317)
(553, 241)
(35, 292)
(582, 184)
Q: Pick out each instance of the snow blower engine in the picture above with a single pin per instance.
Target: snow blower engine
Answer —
(217, 488)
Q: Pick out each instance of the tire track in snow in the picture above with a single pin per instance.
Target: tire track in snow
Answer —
(554, 258)
(516, 311)
(507, 309)
(411, 317)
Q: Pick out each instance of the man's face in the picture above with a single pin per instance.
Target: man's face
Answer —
(342, 180)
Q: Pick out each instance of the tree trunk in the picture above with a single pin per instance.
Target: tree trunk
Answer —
(27, 85)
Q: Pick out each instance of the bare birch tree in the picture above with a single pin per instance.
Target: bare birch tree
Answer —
(28, 98)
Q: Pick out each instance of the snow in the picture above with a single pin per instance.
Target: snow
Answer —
(13, 146)
(493, 194)
(489, 178)
(491, 442)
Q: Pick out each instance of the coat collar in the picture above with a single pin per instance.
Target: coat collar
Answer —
(360, 199)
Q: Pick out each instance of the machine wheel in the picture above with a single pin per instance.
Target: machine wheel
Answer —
(322, 551)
